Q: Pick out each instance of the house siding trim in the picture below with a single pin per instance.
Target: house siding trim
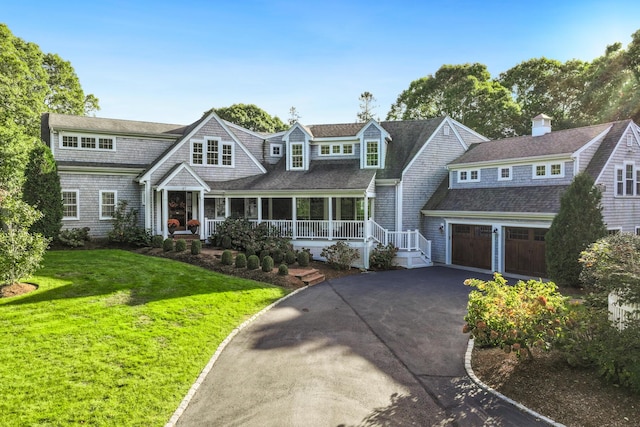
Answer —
(611, 157)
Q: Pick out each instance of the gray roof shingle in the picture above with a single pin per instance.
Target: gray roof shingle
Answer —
(608, 144)
(104, 125)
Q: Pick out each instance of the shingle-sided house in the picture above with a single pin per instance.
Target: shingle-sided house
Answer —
(496, 204)
(360, 182)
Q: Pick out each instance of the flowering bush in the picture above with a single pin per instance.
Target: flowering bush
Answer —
(340, 255)
(514, 317)
(193, 223)
(173, 223)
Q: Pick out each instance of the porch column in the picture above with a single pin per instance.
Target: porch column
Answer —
(259, 210)
(367, 230)
(227, 208)
(330, 231)
(165, 213)
(294, 217)
(201, 215)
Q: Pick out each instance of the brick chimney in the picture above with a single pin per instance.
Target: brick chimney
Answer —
(541, 124)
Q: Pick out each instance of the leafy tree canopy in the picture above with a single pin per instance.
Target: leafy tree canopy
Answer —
(32, 82)
(574, 93)
(250, 117)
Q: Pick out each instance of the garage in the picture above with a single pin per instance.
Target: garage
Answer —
(524, 251)
(471, 245)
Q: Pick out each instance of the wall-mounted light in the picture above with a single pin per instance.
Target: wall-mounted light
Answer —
(441, 226)
(495, 231)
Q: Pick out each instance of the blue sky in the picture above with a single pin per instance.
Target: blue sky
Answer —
(169, 61)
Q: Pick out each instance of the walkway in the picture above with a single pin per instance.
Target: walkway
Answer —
(374, 349)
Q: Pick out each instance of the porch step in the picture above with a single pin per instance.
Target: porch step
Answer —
(309, 277)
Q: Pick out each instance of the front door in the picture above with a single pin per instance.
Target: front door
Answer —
(181, 207)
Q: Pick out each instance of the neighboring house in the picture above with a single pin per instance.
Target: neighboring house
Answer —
(500, 197)
(361, 182)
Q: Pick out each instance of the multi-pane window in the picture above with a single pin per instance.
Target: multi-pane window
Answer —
(212, 152)
(70, 204)
(227, 157)
(469, 175)
(325, 149)
(297, 160)
(196, 156)
(107, 204)
(627, 180)
(335, 149)
(504, 174)
(548, 170)
(372, 158)
(69, 141)
(347, 149)
(87, 142)
(276, 150)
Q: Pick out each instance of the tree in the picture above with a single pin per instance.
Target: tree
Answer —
(42, 190)
(293, 116)
(464, 92)
(367, 106)
(578, 224)
(251, 117)
(20, 251)
(32, 83)
(14, 151)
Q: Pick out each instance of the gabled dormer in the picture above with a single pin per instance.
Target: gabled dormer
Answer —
(297, 150)
(373, 142)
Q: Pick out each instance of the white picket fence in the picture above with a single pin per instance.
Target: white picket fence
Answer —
(620, 312)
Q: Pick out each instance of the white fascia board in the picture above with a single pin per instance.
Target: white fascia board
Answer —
(383, 131)
(511, 162)
(545, 216)
(387, 182)
(606, 165)
(93, 170)
(349, 139)
(184, 166)
(116, 133)
(468, 129)
(424, 147)
(295, 126)
(291, 193)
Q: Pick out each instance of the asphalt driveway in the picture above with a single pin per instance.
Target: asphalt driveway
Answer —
(375, 349)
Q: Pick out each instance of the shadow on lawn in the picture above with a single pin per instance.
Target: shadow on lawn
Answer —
(127, 284)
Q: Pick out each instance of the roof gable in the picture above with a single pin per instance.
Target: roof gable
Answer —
(607, 147)
(182, 169)
(113, 126)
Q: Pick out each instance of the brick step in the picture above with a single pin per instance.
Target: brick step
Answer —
(310, 277)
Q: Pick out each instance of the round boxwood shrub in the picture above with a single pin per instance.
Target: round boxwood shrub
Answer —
(250, 251)
(241, 261)
(196, 247)
(283, 270)
(167, 245)
(253, 262)
(181, 245)
(267, 264)
(156, 241)
(303, 258)
(264, 253)
(226, 242)
(278, 256)
(227, 257)
(290, 257)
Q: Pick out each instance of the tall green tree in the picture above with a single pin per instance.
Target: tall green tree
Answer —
(250, 117)
(15, 146)
(367, 105)
(466, 93)
(32, 82)
(42, 190)
(578, 224)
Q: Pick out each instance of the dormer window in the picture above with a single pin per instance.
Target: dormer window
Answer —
(548, 170)
(336, 149)
(297, 156)
(276, 150)
(372, 154)
(470, 175)
(504, 173)
(87, 142)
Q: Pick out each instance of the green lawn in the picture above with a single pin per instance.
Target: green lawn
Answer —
(114, 338)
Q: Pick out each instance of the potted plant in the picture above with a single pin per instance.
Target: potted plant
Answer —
(172, 224)
(193, 225)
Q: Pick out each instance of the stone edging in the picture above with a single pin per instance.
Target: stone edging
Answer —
(479, 383)
(194, 388)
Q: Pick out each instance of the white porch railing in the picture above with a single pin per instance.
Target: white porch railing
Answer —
(403, 240)
(619, 313)
(306, 229)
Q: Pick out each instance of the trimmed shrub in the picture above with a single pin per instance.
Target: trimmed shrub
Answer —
(267, 264)
(196, 247)
(290, 257)
(241, 260)
(74, 237)
(303, 258)
(263, 253)
(126, 229)
(253, 262)
(283, 270)
(181, 245)
(514, 317)
(340, 255)
(167, 245)
(250, 251)
(156, 241)
(278, 256)
(226, 242)
(381, 257)
(227, 257)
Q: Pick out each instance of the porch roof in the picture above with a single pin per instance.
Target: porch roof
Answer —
(322, 175)
(533, 199)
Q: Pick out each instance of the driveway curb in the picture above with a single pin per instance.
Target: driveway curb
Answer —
(203, 374)
(479, 383)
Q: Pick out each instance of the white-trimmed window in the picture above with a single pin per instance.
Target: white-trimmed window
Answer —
(505, 173)
(212, 152)
(108, 202)
(347, 149)
(276, 150)
(548, 170)
(70, 205)
(335, 149)
(629, 140)
(297, 156)
(637, 231)
(87, 142)
(325, 149)
(446, 130)
(469, 175)
(627, 180)
(372, 158)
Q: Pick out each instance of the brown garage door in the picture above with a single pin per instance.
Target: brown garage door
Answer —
(524, 251)
(471, 245)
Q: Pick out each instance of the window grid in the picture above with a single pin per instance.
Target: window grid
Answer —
(347, 149)
(105, 143)
(296, 156)
(70, 141)
(107, 204)
(70, 204)
(87, 142)
(505, 173)
(629, 181)
(372, 153)
(469, 175)
(227, 157)
(541, 170)
(212, 152)
(196, 157)
(324, 150)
